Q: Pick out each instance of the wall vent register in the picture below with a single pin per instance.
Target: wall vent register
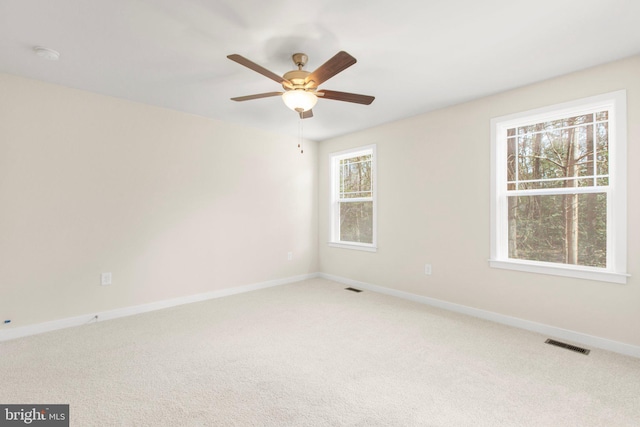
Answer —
(568, 346)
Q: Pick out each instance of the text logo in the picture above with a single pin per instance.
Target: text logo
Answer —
(34, 415)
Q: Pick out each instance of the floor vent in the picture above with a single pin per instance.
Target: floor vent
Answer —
(353, 289)
(568, 346)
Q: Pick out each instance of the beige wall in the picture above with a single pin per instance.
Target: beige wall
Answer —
(176, 205)
(172, 204)
(433, 207)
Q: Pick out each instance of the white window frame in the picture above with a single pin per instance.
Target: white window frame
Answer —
(334, 161)
(616, 270)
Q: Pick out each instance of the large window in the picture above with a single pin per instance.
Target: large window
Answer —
(559, 189)
(353, 198)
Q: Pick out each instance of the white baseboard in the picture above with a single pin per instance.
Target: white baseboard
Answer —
(39, 328)
(577, 337)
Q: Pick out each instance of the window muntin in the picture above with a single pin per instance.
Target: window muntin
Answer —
(559, 189)
(353, 198)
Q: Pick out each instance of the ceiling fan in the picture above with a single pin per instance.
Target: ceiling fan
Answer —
(301, 87)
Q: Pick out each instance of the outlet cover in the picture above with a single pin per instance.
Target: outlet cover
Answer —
(105, 279)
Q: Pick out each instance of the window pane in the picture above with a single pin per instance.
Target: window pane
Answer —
(511, 161)
(553, 154)
(602, 148)
(585, 151)
(587, 182)
(554, 125)
(569, 229)
(355, 177)
(356, 222)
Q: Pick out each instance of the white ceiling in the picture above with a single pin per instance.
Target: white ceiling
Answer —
(413, 56)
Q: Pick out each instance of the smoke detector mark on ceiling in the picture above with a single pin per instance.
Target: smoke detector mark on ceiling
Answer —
(46, 53)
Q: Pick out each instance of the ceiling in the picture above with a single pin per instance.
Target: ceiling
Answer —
(413, 56)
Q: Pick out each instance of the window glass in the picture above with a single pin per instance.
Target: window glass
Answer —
(558, 194)
(353, 198)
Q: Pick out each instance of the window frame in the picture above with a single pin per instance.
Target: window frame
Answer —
(334, 229)
(616, 269)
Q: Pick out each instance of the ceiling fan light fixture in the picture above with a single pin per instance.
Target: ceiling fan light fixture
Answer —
(301, 87)
(299, 100)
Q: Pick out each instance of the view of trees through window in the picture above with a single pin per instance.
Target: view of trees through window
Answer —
(356, 199)
(557, 182)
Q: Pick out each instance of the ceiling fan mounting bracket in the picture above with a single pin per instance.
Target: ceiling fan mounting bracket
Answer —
(300, 59)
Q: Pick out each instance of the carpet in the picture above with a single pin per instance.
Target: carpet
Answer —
(314, 354)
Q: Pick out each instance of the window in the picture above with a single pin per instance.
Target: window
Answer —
(559, 189)
(353, 198)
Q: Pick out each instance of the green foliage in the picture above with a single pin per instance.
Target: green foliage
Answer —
(356, 222)
(355, 177)
(540, 229)
(569, 228)
(356, 216)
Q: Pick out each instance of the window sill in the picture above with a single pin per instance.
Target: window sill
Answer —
(561, 270)
(356, 246)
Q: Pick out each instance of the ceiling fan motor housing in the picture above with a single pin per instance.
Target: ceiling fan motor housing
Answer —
(297, 79)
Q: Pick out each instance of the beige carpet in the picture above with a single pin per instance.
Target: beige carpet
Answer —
(314, 354)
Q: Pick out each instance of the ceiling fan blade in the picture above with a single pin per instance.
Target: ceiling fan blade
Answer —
(258, 68)
(256, 96)
(340, 61)
(306, 114)
(345, 96)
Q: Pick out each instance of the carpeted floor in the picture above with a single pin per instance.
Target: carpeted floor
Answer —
(314, 354)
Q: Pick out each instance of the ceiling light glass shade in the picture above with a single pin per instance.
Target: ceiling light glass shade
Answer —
(299, 100)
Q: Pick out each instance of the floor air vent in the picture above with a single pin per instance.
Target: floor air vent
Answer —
(353, 289)
(568, 346)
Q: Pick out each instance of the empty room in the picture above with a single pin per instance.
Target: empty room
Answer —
(219, 213)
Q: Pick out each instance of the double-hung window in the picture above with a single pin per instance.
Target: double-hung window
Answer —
(559, 189)
(353, 198)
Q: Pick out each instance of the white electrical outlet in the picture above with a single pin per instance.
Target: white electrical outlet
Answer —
(105, 279)
(289, 256)
(427, 269)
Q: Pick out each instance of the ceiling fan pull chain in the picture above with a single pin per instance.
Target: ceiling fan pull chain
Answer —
(300, 135)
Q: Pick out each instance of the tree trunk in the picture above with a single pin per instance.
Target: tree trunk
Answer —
(512, 201)
(571, 200)
(591, 199)
(537, 170)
